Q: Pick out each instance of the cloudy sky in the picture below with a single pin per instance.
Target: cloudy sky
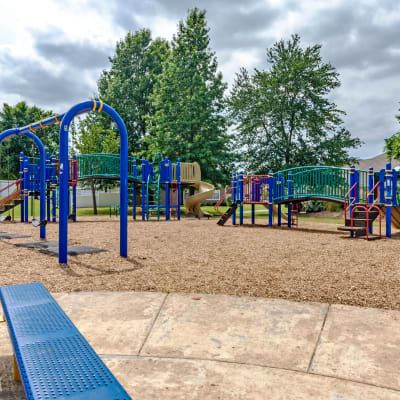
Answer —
(52, 51)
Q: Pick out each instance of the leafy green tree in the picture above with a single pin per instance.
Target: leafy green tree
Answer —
(129, 83)
(392, 145)
(283, 115)
(90, 137)
(189, 121)
(18, 116)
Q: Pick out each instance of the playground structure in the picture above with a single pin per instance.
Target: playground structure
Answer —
(64, 171)
(10, 201)
(50, 173)
(28, 187)
(366, 195)
(158, 183)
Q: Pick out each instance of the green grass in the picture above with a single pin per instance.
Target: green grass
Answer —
(261, 212)
(17, 210)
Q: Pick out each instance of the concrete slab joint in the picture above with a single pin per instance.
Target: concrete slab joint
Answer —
(185, 346)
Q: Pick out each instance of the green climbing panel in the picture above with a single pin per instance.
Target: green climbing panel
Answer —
(153, 198)
(321, 182)
(105, 166)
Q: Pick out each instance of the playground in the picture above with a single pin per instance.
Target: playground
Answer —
(313, 263)
(281, 266)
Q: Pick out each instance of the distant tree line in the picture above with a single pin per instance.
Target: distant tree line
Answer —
(173, 100)
(392, 145)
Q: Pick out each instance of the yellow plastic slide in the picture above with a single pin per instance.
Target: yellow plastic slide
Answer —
(275, 211)
(395, 216)
(192, 203)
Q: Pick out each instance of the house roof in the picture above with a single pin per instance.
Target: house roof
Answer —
(377, 163)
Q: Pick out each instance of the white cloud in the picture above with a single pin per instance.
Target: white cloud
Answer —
(51, 52)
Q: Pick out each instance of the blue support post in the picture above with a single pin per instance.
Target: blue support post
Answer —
(352, 191)
(167, 201)
(134, 189)
(394, 188)
(167, 187)
(69, 202)
(371, 185)
(26, 188)
(357, 188)
(178, 179)
(234, 195)
(144, 178)
(382, 186)
(22, 186)
(290, 190)
(388, 199)
(270, 197)
(280, 192)
(64, 174)
(253, 197)
(48, 185)
(240, 178)
(41, 171)
(54, 188)
(74, 187)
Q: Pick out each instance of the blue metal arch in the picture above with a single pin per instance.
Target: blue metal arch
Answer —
(81, 108)
(42, 163)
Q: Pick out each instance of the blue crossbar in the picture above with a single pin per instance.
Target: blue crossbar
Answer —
(54, 360)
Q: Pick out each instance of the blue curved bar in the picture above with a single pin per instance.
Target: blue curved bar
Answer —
(20, 132)
(78, 109)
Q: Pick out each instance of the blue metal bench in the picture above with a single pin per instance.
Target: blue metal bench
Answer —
(52, 358)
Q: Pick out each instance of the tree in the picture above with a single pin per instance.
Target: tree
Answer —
(22, 115)
(392, 145)
(283, 115)
(189, 121)
(129, 83)
(91, 137)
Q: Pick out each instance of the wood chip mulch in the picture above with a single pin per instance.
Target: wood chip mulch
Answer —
(313, 263)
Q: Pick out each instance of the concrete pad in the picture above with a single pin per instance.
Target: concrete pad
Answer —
(72, 250)
(13, 236)
(260, 331)
(173, 379)
(5, 342)
(37, 245)
(9, 389)
(113, 323)
(360, 344)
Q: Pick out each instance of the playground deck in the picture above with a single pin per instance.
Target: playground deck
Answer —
(304, 264)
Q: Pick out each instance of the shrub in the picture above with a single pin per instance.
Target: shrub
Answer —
(330, 206)
(314, 206)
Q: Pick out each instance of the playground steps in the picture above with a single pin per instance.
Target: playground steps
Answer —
(370, 237)
(359, 228)
(8, 206)
(228, 214)
(153, 200)
(174, 201)
(356, 231)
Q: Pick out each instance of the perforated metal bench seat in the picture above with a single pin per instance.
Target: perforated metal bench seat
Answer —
(54, 360)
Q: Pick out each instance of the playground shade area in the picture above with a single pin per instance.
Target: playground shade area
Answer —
(313, 263)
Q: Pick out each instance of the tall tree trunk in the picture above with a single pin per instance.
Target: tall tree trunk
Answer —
(93, 188)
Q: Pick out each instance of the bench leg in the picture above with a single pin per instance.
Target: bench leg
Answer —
(17, 376)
